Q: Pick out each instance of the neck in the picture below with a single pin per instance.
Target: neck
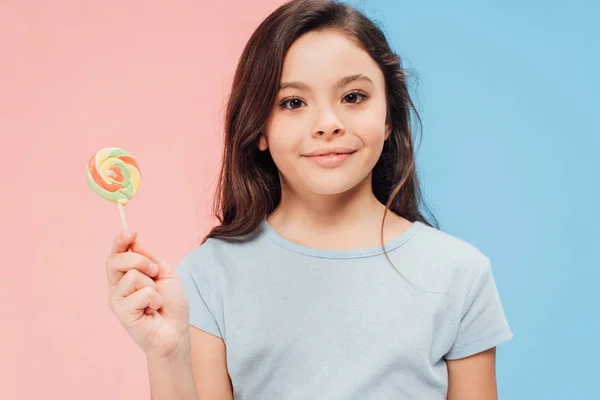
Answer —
(350, 219)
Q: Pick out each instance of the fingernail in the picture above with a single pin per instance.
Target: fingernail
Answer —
(126, 234)
(153, 268)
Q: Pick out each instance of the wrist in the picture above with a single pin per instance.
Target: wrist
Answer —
(179, 354)
(171, 375)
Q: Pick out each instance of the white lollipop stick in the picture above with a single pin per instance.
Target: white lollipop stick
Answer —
(122, 213)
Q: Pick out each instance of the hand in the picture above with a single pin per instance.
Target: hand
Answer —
(147, 298)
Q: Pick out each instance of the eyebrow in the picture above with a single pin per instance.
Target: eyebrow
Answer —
(340, 83)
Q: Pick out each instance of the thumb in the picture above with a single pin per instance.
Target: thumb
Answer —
(122, 241)
(164, 270)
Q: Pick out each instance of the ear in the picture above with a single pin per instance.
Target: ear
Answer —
(262, 142)
(388, 131)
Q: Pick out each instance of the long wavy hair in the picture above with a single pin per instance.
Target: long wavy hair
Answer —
(248, 189)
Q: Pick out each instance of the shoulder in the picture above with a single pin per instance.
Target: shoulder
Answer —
(446, 262)
(451, 247)
(211, 257)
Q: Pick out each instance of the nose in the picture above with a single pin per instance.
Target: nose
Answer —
(328, 124)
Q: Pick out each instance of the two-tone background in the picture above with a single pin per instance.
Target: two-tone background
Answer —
(509, 95)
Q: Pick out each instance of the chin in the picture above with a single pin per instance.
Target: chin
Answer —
(331, 186)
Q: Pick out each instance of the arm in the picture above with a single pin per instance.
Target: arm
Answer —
(209, 366)
(172, 378)
(197, 372)
(474, 377)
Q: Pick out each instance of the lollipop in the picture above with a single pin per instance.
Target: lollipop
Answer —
(115, 176)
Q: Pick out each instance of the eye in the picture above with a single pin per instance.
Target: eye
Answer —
(291, 103)
(355, 97)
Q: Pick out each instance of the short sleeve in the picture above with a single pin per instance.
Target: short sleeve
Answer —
(196, 282)
(483, 324)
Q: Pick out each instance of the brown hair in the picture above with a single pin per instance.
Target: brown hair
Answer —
(248, 189)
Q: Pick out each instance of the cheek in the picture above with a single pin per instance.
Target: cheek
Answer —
(370, 129)
(284, 140)
(369, 123)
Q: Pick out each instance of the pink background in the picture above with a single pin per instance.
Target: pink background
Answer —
(76, 76)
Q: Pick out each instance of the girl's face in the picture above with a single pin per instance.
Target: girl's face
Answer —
(332, 94)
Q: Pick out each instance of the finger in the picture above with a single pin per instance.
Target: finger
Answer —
(164, 270)
(132, 281)
(122, 241)
(133, 306)
(118, 264)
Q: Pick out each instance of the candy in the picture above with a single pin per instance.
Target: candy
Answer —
(114, 175)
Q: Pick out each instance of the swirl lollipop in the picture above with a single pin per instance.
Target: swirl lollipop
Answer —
(115, 176)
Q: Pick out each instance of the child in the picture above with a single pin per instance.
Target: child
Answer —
(323, 279)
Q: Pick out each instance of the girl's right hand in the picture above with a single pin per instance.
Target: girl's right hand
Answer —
(147, 298)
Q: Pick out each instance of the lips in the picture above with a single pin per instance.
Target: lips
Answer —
(329, 154)
(331, 150)
(330, 160)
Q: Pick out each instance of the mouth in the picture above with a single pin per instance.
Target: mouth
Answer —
(330, 160)
(326, 151)
(331, 154)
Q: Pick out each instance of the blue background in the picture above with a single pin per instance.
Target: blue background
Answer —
(509, 96)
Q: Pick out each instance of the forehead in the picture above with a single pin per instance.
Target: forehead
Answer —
(320, 56)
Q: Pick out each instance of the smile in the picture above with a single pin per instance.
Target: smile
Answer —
(330, 160)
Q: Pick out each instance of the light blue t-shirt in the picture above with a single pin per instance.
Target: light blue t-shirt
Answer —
(301, 323)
